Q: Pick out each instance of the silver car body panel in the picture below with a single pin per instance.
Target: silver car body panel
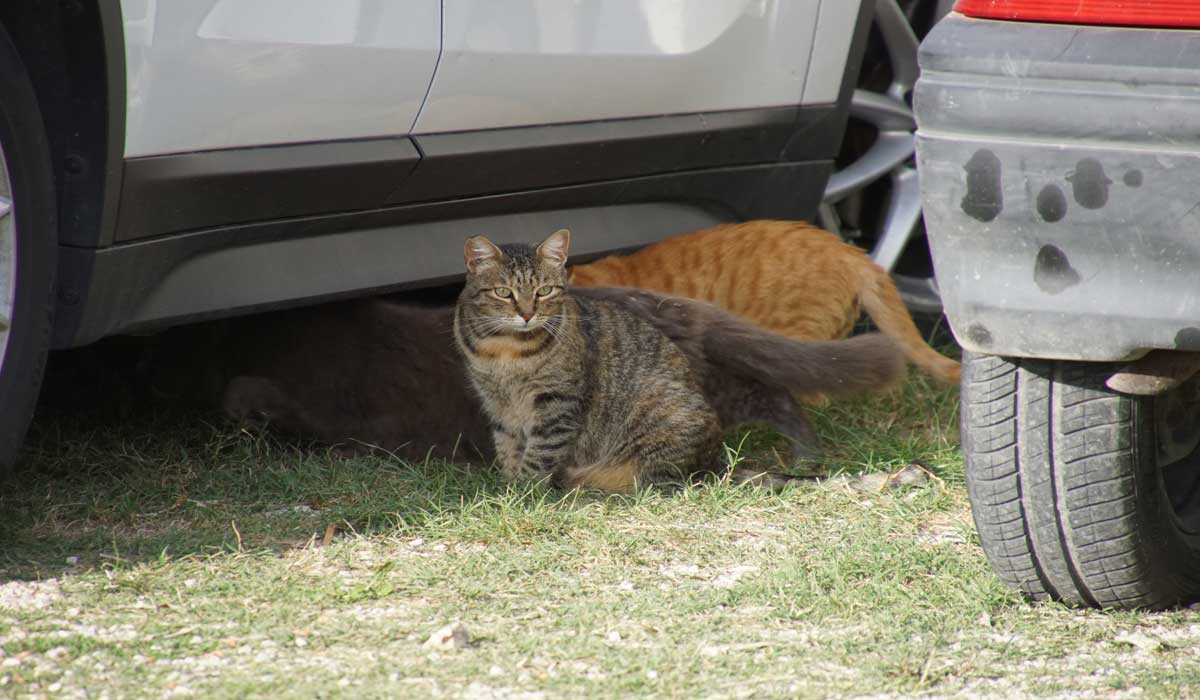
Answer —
(215, 74)
(218, 74)
(830, 49)
(516, 62)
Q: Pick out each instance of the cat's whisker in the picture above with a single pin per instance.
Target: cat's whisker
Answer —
(554, 326)
(480, 324)
(485, 326)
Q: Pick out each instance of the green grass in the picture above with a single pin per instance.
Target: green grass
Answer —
(154, 554)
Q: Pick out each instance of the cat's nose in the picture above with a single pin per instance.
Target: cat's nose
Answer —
(526, 315)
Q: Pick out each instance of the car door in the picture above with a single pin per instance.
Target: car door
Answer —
(333, 87)
(533, 94)
(218, 74)
(524, 62)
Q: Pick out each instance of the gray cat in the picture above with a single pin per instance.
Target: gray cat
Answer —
(580, 390)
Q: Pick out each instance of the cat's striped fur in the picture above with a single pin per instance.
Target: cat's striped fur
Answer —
(578, 390)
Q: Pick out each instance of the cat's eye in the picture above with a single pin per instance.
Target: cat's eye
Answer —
(503, 292)
(545, 291)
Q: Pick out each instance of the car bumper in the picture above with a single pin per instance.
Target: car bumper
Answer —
(1060, 176)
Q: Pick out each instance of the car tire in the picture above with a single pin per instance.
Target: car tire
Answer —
(28, 250)
(1081, 494)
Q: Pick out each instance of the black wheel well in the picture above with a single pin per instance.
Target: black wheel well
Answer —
(73, 51)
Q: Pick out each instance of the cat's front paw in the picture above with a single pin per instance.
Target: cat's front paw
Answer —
(521, 473)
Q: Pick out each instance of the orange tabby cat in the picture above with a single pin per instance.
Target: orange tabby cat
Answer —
(787, 276)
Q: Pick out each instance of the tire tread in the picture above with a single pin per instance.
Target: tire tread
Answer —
(1064, 503)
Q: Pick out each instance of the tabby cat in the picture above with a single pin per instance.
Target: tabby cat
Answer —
(787, 276)
(578, 389)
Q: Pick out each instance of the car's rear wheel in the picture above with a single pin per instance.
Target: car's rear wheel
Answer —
(1081, 494)
(27, 250)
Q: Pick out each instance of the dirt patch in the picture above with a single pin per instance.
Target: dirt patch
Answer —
(30, 595)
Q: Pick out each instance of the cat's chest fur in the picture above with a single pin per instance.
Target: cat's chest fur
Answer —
(509, 380)
(510, 353)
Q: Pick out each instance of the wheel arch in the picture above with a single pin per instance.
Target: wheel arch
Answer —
(74, 53)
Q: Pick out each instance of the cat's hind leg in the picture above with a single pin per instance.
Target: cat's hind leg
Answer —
(741, 401)
(612, 477)
(667, 453)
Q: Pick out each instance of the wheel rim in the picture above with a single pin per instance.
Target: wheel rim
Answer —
(8, 256)
(1177, 442)
(890, 157)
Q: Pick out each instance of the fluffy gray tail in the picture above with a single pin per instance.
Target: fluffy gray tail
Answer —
(726, 343)
(868, 362)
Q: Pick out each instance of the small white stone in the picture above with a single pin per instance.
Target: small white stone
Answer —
(651, 674)
(688, 570)
(495, 671)
(301, 642)
(614, 637)
(72, 560)
(730, 578)
(1140, 641)
(452, 636)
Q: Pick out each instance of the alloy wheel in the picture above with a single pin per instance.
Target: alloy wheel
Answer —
(888, 159)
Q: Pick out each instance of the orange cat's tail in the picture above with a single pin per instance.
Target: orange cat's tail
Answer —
(882, 302)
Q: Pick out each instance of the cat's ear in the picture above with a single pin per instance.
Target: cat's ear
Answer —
(481, 253)
(554, 248)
